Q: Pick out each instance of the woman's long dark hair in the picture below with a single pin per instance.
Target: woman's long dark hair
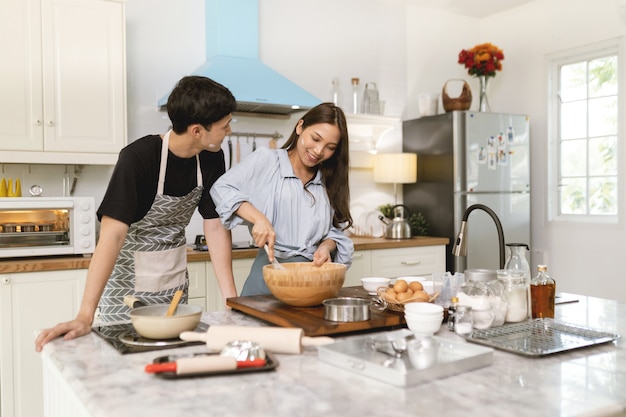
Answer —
(335, 169)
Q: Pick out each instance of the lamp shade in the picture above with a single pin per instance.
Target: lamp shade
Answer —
(396, 168)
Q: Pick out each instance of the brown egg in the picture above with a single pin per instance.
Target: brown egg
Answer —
(390, 295)
(403, 296)
(420, 296)
(416, 286)
(400, 286)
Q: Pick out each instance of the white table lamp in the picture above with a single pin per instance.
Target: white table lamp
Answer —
(395, 168)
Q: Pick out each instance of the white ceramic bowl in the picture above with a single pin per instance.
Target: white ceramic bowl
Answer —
(371, 284)
(423, 327)
(423, 309)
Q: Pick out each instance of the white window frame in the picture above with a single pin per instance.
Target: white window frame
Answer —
(554, 63)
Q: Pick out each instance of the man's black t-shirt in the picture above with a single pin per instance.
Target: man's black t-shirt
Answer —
(133, 184)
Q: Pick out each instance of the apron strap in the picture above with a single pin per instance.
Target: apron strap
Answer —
(163, 166)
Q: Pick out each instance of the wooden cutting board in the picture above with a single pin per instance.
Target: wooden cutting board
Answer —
(311, 319)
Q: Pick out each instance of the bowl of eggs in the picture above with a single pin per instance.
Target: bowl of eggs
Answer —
(401, 292)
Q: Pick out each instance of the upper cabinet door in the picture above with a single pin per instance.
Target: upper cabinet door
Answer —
(63, 81)
(21, 100)
(84, 75)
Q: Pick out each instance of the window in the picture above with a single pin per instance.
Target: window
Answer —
(585, 131)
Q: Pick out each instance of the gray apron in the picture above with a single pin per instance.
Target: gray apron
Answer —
(152, 264)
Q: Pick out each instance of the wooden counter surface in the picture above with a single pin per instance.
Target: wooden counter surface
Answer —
(56, 263)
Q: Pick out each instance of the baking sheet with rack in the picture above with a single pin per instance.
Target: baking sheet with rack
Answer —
(356, 355)
(540, 337)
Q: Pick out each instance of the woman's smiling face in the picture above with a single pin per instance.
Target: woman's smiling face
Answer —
(316, 143)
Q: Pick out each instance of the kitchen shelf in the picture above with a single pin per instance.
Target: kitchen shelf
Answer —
(366, 131)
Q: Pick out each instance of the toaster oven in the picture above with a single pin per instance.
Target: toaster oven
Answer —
(44, 226)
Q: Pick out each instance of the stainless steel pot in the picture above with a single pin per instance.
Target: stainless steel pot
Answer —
(347, 309)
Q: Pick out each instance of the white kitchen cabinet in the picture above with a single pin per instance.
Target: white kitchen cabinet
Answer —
(63, 81)
(30, 301)
(391, 263)
(241, 269)
(419, 260)
(198, 283)
(360, 268)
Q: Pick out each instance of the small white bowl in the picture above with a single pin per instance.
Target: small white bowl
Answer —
(423, 327)
(371, 284)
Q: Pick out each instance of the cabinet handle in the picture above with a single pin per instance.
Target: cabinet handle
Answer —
(357, 255)
(6, 280)
(50, 123)
(37, 122)
(411, 262)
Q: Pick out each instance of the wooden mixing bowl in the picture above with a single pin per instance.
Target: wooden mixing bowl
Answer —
(301, 284)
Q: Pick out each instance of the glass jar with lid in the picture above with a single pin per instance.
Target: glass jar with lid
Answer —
(482, 286)
(517, 268)
(516, 293)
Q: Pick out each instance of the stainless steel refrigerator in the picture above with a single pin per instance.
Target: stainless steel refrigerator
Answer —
(466, 158)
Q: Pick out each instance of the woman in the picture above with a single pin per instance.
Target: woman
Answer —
(295, 199)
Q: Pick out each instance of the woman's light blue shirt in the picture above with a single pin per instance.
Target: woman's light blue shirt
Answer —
(301, 215)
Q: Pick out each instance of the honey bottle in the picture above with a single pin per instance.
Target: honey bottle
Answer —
(542, 294)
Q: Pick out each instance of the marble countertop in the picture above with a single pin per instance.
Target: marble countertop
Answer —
(583, 382)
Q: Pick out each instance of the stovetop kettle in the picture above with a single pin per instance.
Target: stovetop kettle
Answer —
(399, 227)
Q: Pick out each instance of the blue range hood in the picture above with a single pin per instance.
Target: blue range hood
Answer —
(232, 28)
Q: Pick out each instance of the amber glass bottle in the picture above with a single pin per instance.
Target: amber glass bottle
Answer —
(542, 294)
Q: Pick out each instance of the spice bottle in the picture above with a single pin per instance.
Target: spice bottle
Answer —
(463, 320)
(356, 102)
(451, 310)
(542, 294)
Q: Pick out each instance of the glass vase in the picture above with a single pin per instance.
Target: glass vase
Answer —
(483, 104)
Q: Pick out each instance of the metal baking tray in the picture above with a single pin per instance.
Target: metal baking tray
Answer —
(356, 354)
(540, 337)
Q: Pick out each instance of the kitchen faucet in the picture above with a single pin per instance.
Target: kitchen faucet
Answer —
(460, 246)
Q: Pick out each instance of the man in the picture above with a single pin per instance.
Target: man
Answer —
(157, 183)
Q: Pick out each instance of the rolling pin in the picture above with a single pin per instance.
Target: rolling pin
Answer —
(273, 339)
(199, 364)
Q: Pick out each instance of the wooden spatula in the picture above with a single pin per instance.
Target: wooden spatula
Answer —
(174, 303)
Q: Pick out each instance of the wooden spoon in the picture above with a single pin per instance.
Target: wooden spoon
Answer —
(174, 303)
